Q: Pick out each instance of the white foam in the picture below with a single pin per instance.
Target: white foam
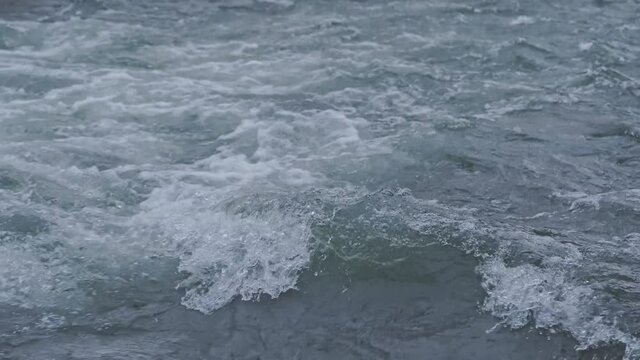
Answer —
(522, 20)
(585, 46)
(240, 256)
(548, 298)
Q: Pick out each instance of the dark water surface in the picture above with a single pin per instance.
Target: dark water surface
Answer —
(253, 179)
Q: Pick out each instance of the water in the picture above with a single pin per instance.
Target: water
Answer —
(244, 179)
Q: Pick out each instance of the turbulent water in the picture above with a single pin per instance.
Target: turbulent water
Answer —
(326, 179)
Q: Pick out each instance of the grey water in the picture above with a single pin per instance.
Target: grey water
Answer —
(326, 179)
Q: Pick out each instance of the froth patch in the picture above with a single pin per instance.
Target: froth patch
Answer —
(232, 256)
(549, 298)
(235, 248)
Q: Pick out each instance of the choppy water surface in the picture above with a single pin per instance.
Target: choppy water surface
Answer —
(337, 179)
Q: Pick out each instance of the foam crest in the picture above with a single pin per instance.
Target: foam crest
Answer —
(549, 298)
(229, 246)
(240, 256)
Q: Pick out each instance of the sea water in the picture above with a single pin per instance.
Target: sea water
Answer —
(326, 179)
